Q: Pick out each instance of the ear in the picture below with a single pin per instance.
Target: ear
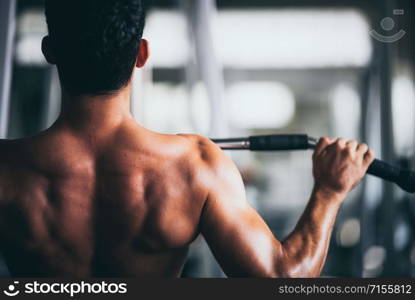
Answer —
(143, 54)
(47, 50)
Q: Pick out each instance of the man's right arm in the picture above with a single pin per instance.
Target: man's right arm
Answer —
(240, 239)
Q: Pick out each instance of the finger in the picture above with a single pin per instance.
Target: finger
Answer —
(362, 149)
(352, 145)
(322, 145)
(339, 144)
(369, 157)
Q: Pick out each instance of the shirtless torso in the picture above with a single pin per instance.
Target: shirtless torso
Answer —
(96, 199)
(129, 206)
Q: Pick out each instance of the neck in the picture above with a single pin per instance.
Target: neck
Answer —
(99, 113)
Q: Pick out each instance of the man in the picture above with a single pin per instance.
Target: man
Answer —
(98, 195)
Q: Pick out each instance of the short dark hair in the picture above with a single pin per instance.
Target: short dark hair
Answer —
(95, 42)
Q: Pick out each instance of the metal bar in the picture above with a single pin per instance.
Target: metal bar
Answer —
(372, 188)
(405, 179)
(200, 13)
(233, 144)
(7, 33)
(244, 143)
(388, 203)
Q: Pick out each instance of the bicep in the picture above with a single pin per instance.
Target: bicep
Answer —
(237, 235)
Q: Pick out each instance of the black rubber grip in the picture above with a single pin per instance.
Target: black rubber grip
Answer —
(384, 170)
(405, 179)
(279, 142)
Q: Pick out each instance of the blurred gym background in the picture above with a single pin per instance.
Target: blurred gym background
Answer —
(232, 68)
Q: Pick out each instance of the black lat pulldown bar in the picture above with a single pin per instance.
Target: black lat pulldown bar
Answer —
(403, 178)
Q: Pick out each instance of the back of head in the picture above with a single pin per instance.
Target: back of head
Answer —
(95, 42)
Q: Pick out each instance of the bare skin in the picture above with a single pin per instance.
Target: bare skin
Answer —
(98, 195)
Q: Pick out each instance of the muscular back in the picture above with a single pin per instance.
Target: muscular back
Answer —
(122, 202)
(127, 204)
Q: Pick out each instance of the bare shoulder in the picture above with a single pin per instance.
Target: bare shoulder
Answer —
(207, 151)
(216, 169)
